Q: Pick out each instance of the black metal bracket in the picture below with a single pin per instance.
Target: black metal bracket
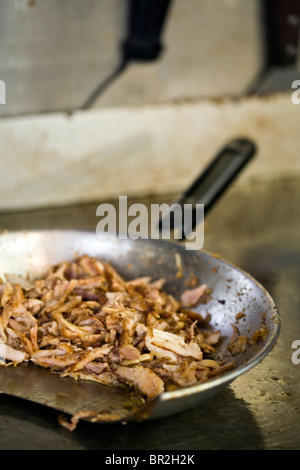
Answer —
(146, 19)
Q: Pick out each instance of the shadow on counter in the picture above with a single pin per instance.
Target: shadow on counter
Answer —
(222, 422)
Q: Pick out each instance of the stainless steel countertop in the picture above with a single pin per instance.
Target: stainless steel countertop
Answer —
(258, 229)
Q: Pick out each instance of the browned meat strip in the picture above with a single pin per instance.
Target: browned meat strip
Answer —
(144, 379)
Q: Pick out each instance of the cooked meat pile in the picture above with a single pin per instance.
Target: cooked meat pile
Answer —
(83, 320)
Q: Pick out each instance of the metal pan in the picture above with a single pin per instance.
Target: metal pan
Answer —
(30, 253)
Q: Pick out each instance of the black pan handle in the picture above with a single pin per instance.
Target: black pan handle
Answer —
(210, 184)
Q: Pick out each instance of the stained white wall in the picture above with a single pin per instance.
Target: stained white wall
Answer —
(105, 153)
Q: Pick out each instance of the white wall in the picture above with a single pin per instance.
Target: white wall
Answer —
(105, 153)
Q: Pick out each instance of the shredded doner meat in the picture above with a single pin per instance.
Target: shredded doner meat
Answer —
(83, 320)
